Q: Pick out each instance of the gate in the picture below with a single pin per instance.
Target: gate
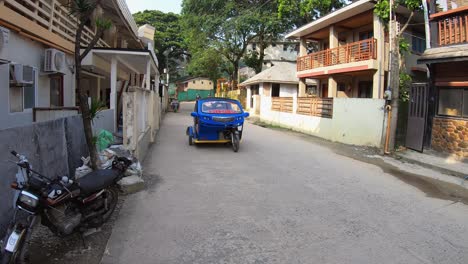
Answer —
(417, 116)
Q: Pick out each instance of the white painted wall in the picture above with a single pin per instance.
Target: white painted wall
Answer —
(277, 52)
(288, 90)
(355, 121)
(27, 52)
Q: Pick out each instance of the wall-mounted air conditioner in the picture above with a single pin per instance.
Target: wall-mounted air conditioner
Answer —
(54, 60)
(21, 74)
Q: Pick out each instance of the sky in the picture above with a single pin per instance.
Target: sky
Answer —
(162, 5)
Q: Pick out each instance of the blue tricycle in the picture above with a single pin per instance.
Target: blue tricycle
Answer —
(217, 120)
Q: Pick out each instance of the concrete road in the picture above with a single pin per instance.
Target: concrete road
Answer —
(281, 199)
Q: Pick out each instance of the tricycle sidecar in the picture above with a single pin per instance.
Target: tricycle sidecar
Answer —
(217, 120)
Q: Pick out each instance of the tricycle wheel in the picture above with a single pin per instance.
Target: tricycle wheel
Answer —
(235, 142)
(190, 140)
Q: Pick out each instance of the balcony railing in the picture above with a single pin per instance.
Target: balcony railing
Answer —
(51, 15)
(351, 52)
(453, 30)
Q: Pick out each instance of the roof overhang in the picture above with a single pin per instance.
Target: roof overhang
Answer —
(134, 60)
(445, 54)
(341, 14)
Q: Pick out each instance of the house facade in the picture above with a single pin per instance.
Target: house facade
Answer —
(277, 51)
(347, 52)
(447, 59)
(38, 73)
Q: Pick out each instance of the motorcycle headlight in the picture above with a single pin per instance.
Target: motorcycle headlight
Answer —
(239, 128)
(28, 201)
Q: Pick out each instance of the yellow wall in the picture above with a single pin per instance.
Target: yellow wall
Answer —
(200, 84)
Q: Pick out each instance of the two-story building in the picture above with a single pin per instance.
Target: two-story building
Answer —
(352, 56)
(447, 59)
(189, 88)
(37, 72)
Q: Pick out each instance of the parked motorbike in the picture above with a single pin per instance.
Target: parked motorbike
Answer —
(63, 205)
(175, 105)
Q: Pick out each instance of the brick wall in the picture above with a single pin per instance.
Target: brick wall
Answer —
(450, 136)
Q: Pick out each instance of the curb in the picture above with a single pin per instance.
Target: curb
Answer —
(433, 167)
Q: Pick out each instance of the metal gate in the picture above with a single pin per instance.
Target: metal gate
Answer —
(417, 116)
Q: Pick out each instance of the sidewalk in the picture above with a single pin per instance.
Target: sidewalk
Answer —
(435, 161)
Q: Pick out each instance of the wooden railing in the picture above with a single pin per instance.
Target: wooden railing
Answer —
(321, 107)
(453, 30)
(51, 15)
(351, 52)
(282, 104)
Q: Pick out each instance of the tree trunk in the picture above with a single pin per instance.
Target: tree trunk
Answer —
(395, 86)
(83, 101)
(261, 55)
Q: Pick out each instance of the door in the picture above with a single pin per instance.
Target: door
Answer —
(56, 91)
(417, 116)
(324, 90)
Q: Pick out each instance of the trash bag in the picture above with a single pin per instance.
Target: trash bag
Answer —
(83, 170)
(104, 140)
(106, 157)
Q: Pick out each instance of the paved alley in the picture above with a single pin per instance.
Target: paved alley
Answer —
(280, 199)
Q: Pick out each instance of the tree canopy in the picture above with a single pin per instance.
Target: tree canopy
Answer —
(300, 12)
(168, 39)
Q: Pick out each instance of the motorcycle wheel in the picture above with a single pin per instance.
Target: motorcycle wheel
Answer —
(235, 142)
(190, 140)
(113, 196)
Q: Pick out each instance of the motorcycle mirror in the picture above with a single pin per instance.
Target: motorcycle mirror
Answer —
(14, 185)
(194, 114)
(246, 114)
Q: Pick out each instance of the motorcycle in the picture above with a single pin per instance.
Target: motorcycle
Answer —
(175, 105)
(63, 205)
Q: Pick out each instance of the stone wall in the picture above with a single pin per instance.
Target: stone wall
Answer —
(450, 136)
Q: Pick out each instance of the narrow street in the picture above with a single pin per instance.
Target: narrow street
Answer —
(281, 199)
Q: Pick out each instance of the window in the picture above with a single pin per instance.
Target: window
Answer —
(365, 90)
(341, 87)
(418, 44)
(202, 82)
(220, 107)
(273, 45)
(254, 46)
(22, 95)
(275, 90)
(193, 81)
(56, 91)
(285, 47)
(453, 102)
(366, 35)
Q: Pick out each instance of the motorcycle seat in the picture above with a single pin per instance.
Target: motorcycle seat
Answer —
(97, 180)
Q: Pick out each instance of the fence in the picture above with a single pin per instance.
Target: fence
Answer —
(321, 107)
(53, 148)
(282, 104)
(191, 94)
(41, 114)
(355, 121)
(351, 52)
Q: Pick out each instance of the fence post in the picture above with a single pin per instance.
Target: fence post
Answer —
(295, 104)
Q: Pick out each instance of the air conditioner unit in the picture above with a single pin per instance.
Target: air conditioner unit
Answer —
(54, 60)
(22, 74)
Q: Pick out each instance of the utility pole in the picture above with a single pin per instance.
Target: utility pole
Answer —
(393, 77)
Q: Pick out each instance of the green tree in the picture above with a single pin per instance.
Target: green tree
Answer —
(396, 79)
(168, 38)
(301, 12)
(224, 26)
(83, 10)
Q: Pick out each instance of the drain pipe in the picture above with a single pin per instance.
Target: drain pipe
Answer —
(387, 135)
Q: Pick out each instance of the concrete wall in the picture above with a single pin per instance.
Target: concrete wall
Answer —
(288, 90)
(104, 120)
(27, 52)
(53, 148)
(355, 121)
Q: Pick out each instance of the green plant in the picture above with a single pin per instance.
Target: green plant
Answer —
(405, 84)
(95, 108)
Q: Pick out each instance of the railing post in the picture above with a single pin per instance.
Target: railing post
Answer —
(52, 14)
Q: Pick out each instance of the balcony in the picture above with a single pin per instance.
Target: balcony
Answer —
(352, 52)
(453, 30)
(51, 16)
